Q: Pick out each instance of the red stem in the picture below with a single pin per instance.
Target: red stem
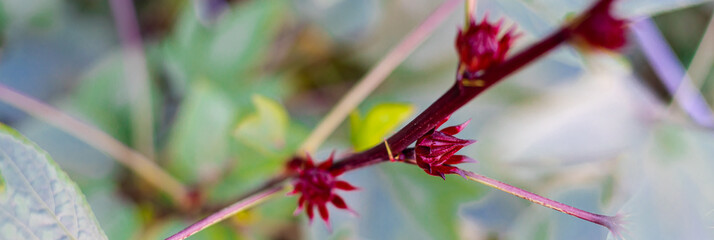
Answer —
(456, 97)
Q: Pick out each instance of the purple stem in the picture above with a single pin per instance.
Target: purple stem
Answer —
(671, 72)
(610, 222)
(224, 213)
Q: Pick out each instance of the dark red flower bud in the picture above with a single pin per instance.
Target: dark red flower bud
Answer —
(316, 186)
(435, 150)
(480, 47)
(600, 28)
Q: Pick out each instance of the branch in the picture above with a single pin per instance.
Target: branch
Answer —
(135, 74)
(456, 97)
(375, 77)
(610, 222)
(135, 161)
(225, 213)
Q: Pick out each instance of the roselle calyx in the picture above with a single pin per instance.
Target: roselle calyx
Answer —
(435, 151)
(481, 45)
(317, 186)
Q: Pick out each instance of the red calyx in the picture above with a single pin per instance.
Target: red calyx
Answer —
(317, 187)
(601, 29)
(480, 47)
(435, 150)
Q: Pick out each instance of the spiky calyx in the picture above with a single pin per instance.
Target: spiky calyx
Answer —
(479, 45)
(317, 187)
(435, 151)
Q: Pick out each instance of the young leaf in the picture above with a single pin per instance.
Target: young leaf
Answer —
(102, 96)
(265, 129)
(237, 42)
(261, 142)
(39, 200)
(254, 164)
(377, 124)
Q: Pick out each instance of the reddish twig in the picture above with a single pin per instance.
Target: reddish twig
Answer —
(225, 213)
(138, 163)
(456, 97)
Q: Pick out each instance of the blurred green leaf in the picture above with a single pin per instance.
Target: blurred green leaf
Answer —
(101, 97)
(104, 98)
(431, 201)
(266, 128)
(261, 143)
(120, 218)
(377, 124)
(199, 143)
(3, 22)
(38, 13)
(40, 201)
(225, 51)
(673, 185)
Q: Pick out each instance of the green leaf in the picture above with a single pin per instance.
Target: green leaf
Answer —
(263, 141)
(104, 97)
(119, 217)
(38, 14)
(431, 201)
(264, 129)
(199, 143)
(225, 51)
(39, 200)
(377, 124)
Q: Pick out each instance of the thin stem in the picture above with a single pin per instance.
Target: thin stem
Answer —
(225, 213)
(136, 75)
(140, 164)
(271, 183)
(672, 73)
(469, 8)
(610, 222)
(375, 77)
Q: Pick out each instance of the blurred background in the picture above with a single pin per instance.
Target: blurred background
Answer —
(221, 92)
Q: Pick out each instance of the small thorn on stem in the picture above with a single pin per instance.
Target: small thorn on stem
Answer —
(389, 151)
